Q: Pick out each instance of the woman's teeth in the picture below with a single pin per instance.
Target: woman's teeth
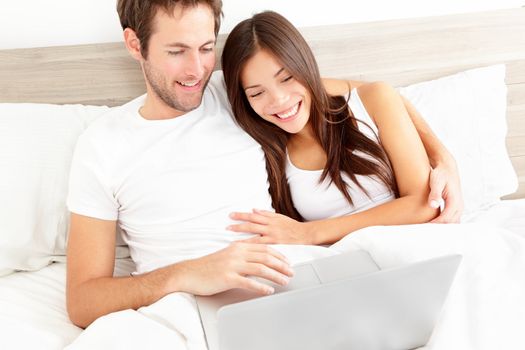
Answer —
(290, 113)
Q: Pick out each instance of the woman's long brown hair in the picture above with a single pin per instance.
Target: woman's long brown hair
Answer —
(333, 125)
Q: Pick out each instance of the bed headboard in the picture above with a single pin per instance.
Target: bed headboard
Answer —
(399, 51)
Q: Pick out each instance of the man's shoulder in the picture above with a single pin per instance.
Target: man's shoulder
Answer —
(114, 121)
(217, 87)
(217, 80)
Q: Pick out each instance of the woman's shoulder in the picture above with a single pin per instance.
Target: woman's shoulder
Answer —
(338, 87)
(375, 90)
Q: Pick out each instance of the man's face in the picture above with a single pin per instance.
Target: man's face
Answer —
(181, 56)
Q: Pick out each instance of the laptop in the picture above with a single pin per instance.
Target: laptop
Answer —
(338, 302)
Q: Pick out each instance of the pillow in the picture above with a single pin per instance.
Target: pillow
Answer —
(36, 146)
(467, 111)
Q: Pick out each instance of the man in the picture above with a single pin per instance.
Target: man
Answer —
(169, 167)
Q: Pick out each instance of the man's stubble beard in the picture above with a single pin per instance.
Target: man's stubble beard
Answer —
(166, 93)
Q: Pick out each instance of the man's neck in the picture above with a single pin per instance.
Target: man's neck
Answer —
(155, 109)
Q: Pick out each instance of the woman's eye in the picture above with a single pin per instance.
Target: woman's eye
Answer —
(256, 94)
(287, 78)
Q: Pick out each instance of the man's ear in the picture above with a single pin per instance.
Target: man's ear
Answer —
(132, 43)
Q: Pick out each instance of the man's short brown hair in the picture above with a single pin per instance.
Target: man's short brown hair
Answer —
(138, 15)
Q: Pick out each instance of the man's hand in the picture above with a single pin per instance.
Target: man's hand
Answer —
(445, 190)
(231, 267)
(272, 228)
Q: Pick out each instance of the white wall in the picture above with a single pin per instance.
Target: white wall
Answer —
(36, 23)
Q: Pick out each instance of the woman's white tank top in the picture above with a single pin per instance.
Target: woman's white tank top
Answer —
(316, 201)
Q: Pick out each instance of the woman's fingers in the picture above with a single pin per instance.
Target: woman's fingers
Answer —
(250, 217)
(249, 227)
(260, 240)
(266, 213)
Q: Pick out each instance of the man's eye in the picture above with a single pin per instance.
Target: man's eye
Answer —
(207, 49)
(174, 53)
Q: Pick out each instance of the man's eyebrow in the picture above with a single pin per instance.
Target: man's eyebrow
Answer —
(275, 76)
(186, 46)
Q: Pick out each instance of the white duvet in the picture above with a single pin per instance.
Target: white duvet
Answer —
(485, 308)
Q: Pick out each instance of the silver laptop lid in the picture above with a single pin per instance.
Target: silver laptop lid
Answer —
(389, 309)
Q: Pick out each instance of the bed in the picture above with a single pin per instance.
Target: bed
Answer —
(48, 96)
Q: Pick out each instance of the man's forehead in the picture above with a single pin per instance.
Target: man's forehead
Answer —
(186, 20)
(179, 12)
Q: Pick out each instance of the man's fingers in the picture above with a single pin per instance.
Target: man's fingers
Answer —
(447, 216)
(263, 271)
(443, 217)
(276, 263)
(437, 186)
(253, 240)
(246, 249)
(253, 285)
(269, 250)
(435, 201)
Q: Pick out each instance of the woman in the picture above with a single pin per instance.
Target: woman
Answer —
(335, 163)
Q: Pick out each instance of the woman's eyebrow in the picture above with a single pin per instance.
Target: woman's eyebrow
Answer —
(279, 72)
(275, 76)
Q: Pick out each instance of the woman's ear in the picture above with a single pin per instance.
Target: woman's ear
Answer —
(132, 43)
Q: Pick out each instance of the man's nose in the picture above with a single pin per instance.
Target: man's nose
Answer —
(193, 65)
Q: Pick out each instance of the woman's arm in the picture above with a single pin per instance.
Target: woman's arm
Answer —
(411, 169)
(409, 161)
(444, 181)
(445, 187)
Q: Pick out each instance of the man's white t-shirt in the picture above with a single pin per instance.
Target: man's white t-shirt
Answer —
(170, 184)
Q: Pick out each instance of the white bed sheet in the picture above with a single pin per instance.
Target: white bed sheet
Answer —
(32, 304)
(508, 214)
(33, 308)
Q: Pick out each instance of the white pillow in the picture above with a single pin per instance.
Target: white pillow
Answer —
(467, 111)
(36, 146)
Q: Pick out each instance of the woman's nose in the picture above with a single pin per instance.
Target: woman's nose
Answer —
(279, 97)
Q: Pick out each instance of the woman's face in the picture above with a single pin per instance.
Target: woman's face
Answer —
(274, 94)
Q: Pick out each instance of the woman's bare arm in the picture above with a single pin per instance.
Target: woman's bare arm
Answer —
(445, 187)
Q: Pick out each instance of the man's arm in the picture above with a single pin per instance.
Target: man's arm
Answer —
(445, 185)
(92, 291)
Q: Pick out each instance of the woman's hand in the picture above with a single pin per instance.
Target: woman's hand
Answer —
(445, 189)
(273, 228)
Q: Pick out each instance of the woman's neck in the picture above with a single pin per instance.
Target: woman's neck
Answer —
(305, 151)
(303, 138)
